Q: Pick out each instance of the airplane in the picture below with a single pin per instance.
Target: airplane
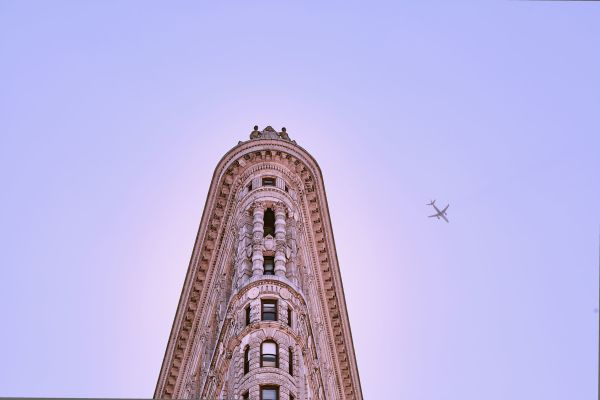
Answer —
(440, 214)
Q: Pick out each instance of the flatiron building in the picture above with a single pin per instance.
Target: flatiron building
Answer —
(262, 314)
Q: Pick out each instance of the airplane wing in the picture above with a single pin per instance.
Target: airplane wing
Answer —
(434, 215)
(444, 210)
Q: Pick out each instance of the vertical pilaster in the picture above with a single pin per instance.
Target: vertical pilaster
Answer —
(257, 239)
(292, 264)
(280, 239)
(243, 264)
(280, 183)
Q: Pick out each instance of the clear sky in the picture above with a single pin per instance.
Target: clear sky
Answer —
(113, 116)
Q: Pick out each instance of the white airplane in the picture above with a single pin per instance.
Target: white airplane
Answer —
(440, 214)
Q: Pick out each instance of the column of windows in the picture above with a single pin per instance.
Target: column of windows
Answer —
(268, 221)
(269, 349)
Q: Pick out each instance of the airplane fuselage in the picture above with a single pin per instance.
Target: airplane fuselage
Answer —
(440, 213)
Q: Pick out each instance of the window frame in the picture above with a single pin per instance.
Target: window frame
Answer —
(263, 354)
(248, 317)
(276, 388)
(247, 360)
(269, 229)
(269, 179)
(262, 309)
(271, 271)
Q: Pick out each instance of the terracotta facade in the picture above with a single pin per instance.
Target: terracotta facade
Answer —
(262, 313)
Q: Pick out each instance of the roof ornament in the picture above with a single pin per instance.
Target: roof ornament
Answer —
(270, 133)
(283, 134)
(255, 134)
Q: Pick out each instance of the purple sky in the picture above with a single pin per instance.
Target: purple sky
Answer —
(113, 116)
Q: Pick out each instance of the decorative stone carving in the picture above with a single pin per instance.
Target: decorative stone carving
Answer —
(255, 134)
(285, 294)
(284, 134)
(269, 133)
(269, 243)
(253, 293)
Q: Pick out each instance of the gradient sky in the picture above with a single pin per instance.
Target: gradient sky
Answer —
(113, 116)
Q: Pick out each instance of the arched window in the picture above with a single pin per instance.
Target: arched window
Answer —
(247, 360)
(269, 354)
(269, 223)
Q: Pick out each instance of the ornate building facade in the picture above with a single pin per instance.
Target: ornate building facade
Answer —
(262, 313)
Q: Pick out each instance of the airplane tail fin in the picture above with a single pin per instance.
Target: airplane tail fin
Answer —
(432, 203)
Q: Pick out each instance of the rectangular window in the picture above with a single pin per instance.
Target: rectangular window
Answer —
(290, 316)
(292, 397)
(269, 393)
(269, 222)
(269, 310)
(247, 360)
(291, 361)
(246, 396)
(248, 315)
(269, 266)
(268, 181)
(249, 187)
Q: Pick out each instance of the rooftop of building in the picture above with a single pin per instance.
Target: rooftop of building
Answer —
(270, 133)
